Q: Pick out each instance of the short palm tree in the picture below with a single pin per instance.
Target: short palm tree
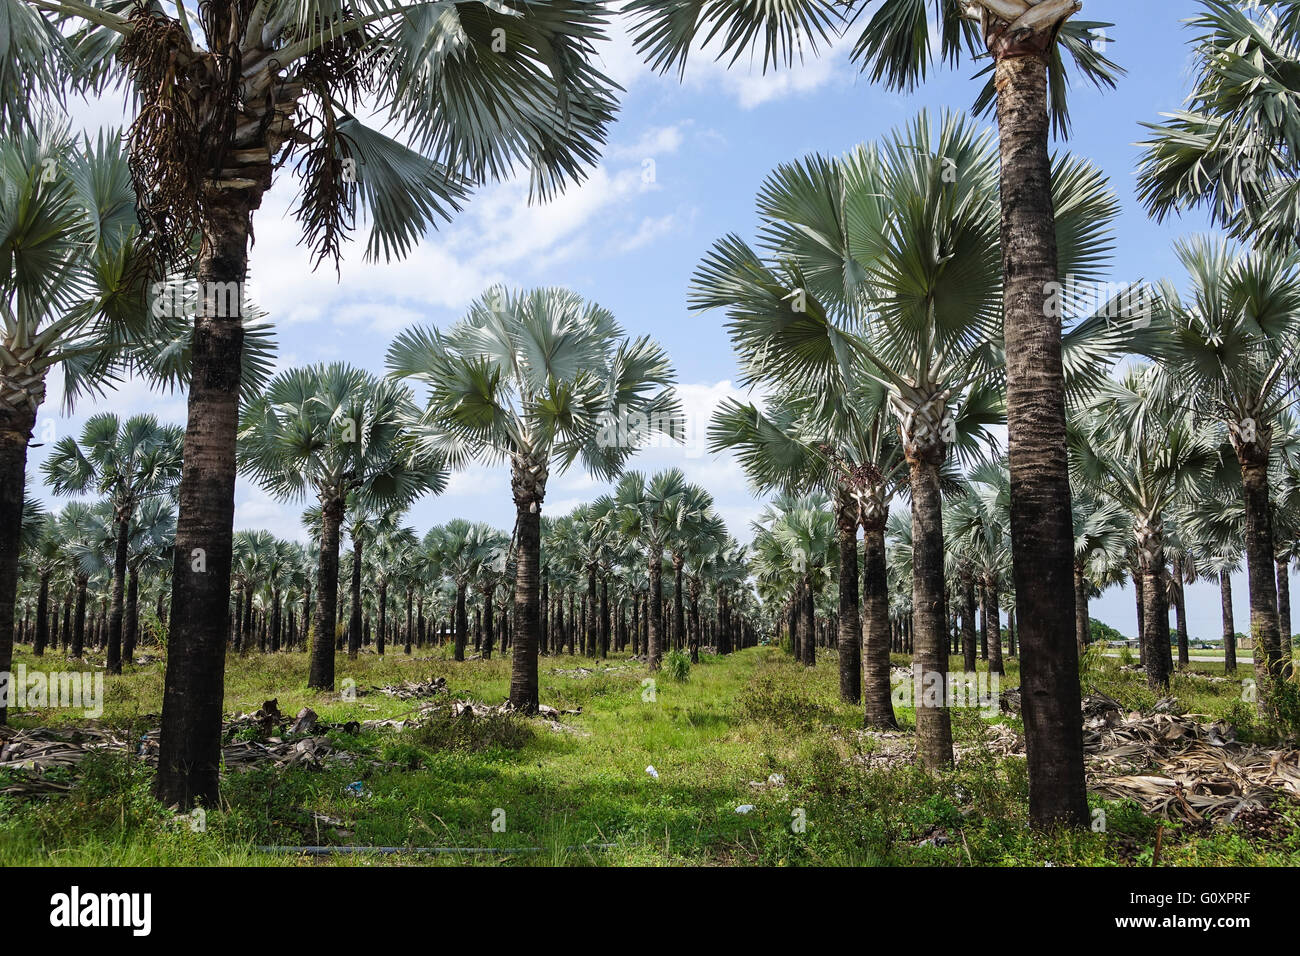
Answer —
(646, 510)
(1139, 448)
(337, 433)
(130, 462)
(536, 379)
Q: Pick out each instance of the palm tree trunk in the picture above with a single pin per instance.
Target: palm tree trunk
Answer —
(489, 625)
(321, 675)
(1265, 631)
(877, 694)
(1284, 601)
(1081, 626)
(604, 616)
(984, 623)
(42, 616)
(656, 608)
(523, 674)
(189, 748)
(1180, 614)
(16, 424)
(995, 630)
(544, 609)
(79, 620)
(808, 625)
(113, 662)
(969, 649)
(1138, 588)
(930, 661)
(383, 619)
(1155, 634)
(355, 624)
(1229, 624)
(1041, 522)
(131, 622)
(679, 613)
(850, 623)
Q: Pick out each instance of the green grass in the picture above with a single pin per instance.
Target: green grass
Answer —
(734, 721)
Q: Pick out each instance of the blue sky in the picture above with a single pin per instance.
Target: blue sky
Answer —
(684, 163)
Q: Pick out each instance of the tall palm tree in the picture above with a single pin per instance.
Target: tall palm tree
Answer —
(885, 265)
(1234, 148)
(226, 94)
(536, 379)
(1028, 43)
(66, 231)
(1233, 349)
(337, 433)
(130, 461)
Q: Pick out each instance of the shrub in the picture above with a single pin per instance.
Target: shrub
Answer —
(677, 666)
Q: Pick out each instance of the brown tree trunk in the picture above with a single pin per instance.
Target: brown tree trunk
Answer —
(42, 616)
(1041, 521)
(16, 424)
(930, 660)
(654, 636)
(995, 630)
(489, 624)
(876, 691)
(356, 623)
(850, 618)
(1081, 627)
(1180, 615)
(1155, 635)
(1265, 630)
(131, 616)
(189, 747)
(679, 604)
(808, 626)
(1229, 624)
(321, 672)
(523, 674)
(113, 659)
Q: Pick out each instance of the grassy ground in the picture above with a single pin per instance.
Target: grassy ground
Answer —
(734, 723)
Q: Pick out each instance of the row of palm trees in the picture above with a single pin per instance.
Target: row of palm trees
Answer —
(450, 586)
(226, 91)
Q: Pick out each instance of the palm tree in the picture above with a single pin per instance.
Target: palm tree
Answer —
(846, 443)
(130, 461)
(1232, 349)
(646, 512)
(1028, 43)
(1233, 148)
(535, 379)
(1138, 448)
(149, 553)
(884, 265)
(66, 228)
(226, 94)
(78, 531)
(338, 433)
(1102, 533)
